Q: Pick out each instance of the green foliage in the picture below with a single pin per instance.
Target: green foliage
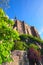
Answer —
(33, 46)
(30, 38)
(41, 51)
(2, 13)
(7, 37)
(19, 45)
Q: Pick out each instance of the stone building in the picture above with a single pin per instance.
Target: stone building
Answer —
(23, 28)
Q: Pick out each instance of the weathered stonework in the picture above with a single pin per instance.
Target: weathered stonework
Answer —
(23, 28)
(19, 58)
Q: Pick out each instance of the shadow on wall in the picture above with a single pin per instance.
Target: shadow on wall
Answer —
(24, 60)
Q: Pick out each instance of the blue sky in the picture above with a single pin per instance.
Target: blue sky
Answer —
(31, 11)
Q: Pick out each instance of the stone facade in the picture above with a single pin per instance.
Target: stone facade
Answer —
(19, 58)
(23, 28)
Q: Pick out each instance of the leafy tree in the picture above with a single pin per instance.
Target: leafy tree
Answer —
(7, 37)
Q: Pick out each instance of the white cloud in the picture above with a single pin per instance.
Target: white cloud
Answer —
(41, 31)
(12, 19)
(7, 16)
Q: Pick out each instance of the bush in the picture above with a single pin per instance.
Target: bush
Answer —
(25, 37)
(19, 45)
(33, 46)
(7, 37)
(33, 54)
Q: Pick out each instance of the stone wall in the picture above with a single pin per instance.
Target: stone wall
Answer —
(34, 31)
(23, 28)
(19, 58)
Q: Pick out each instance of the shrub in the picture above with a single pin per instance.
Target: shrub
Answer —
(7, 37)
(33, 46)
(33, 54)
(19, 45)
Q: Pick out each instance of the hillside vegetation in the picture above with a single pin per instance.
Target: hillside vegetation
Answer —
(11, 40)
